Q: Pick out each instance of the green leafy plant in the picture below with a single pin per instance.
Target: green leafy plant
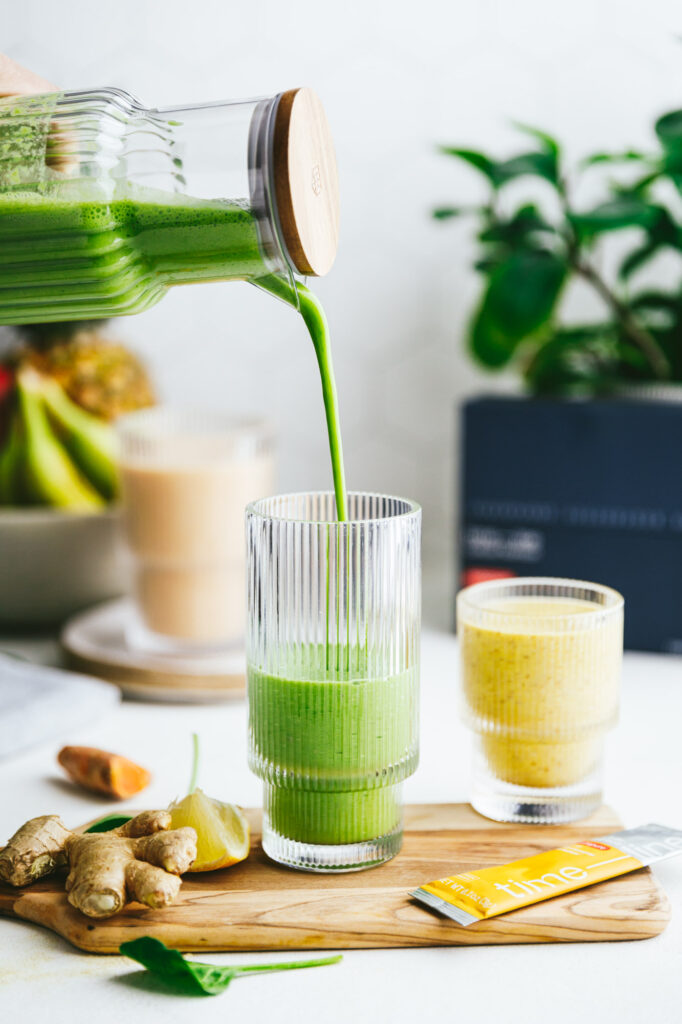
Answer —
(528, 257)
(188, 977)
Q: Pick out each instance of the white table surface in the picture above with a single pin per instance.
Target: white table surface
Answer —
(43, 978)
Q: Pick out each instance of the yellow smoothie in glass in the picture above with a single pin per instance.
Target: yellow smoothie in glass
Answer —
(540, 682)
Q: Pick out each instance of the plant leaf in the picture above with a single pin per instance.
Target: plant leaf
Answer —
(575, 360)
(488, 263)
(672, 165)
(668, 128)
(475, 159)
(659, 310)
(540, 164)
(521, 295)
(657, 300)
(549, 144)
(526, 221)
(446, 212)
(662, 231)
(109, 822)
(626, 211)
(488, 345)
(199, 978)
(636, 259)
(613, 158)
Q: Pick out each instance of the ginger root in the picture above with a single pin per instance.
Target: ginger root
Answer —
(103, 772)
(141, 860)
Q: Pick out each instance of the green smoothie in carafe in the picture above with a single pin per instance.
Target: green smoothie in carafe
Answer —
(67, 253)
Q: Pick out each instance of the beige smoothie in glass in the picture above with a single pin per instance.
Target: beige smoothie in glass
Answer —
(540, 676)
(186, 478)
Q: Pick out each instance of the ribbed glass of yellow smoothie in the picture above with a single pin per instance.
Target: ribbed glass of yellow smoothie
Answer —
(541, 660)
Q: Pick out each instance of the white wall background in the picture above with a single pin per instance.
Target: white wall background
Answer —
(395, 77)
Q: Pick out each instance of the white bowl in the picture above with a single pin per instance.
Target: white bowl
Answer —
(54, 563)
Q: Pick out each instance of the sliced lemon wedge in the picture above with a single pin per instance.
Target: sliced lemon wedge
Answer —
(222, 830)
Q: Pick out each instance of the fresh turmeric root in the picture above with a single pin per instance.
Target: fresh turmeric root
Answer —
(103, 772)
(141, 861)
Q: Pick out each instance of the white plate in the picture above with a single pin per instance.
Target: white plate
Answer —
(95, 642)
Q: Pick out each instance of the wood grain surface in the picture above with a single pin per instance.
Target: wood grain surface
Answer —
(258, 905)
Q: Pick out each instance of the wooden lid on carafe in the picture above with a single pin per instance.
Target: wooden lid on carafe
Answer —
(306, 181)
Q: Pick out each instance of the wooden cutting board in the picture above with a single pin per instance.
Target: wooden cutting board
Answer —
(259, 905)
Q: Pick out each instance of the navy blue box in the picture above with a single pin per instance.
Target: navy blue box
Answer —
(586, 489)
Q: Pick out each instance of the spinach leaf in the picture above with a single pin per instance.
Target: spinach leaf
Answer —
(207, 979)
(109, 822)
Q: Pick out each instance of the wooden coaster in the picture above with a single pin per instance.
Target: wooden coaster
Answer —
(95, 642)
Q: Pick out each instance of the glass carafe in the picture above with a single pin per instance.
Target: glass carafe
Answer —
(104, 203)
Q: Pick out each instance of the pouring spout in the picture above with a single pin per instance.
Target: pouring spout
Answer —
(282, 286)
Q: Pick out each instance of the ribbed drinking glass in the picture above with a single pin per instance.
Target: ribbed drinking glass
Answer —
(333, 674)
(541, 660)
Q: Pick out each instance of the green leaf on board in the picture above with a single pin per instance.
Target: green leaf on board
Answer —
(191, 977)
(521, 295)
(109, 822)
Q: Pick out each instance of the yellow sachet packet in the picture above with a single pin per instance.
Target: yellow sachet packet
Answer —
(476, 895)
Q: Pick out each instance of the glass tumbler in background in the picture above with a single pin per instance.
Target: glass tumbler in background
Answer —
(541, 661)
(186, 478)
(333, 674)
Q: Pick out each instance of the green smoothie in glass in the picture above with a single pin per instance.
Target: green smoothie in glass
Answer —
(333, 674)
(334, 744)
